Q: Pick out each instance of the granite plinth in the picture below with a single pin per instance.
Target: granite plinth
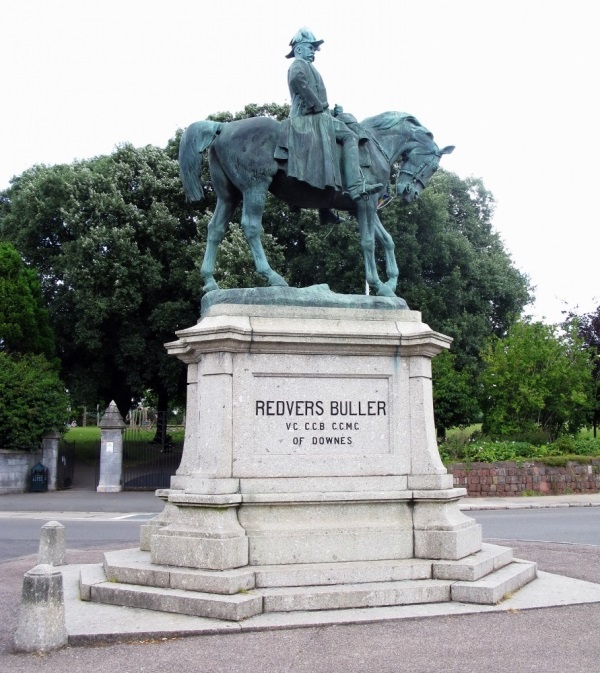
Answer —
(310, 474)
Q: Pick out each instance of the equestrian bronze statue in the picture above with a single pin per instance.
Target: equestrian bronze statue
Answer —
(315, 159)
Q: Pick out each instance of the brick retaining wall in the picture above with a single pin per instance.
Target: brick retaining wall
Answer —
(511, 478)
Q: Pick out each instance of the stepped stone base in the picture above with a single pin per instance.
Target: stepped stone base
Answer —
(129, 578)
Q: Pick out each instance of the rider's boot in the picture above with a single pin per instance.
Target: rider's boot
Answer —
(356, 184)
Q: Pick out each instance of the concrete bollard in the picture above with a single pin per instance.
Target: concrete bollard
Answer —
(52, 550)
(41, 625)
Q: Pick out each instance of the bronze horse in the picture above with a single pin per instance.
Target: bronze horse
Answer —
(243, 169)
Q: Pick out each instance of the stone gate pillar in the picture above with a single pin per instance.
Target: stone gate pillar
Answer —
(111, 450)
(50, 457)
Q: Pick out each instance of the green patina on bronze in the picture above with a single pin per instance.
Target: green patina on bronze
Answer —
(314, 159)
(309, 140)
(314, 296)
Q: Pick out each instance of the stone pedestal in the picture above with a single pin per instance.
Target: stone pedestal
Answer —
(310, 477)
(310, 439)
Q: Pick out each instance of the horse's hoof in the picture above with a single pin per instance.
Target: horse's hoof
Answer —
(392, 283)
(385, 291)
(210, 285)
(275, 280)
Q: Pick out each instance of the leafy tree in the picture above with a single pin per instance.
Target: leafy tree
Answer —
(116, 246)
(454, 394)
(32, 397)
(455, 270)
(588, 327)
(33, 401)
(273, 110)
(537, 377)
(24, 323)
(453, 265)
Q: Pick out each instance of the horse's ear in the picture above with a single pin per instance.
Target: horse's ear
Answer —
(447, 150)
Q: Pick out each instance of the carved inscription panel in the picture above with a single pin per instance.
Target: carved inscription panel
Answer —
(322, 414)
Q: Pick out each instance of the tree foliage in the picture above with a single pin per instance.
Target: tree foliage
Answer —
(32, 397)
(537, 377)
(453, 265)
(116, 246)
(455, 396)
(33, 401)
(588, 327)
(24, 323)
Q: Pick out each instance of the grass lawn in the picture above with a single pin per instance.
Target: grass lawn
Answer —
(87, 440)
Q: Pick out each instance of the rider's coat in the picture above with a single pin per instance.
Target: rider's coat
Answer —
(308, 139)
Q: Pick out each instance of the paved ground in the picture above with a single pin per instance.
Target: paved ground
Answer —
(553, 640)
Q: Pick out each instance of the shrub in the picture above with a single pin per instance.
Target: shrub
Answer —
(32, 401)
(489, 450)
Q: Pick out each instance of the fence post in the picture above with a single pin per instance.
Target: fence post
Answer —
(50, 457)
(111, 450)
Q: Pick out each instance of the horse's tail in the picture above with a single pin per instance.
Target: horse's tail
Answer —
(196, 139)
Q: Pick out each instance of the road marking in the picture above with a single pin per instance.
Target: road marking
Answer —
(81, 516)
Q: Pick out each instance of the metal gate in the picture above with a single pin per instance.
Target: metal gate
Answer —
(151, 454)
(65, 467)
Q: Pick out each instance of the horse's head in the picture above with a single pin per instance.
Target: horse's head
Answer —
(403, 140)
(420, 161)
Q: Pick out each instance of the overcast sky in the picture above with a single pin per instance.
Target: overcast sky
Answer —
(512, 83)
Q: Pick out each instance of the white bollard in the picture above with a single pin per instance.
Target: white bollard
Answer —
(52, 550)
(41, 625)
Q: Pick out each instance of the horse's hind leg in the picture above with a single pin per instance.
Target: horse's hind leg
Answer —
(217, 228)
(252, 211)
(387, 242)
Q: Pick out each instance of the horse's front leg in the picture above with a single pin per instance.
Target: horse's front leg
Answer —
(217, 228)
(387, 242)
(252, 212)
(366, 223)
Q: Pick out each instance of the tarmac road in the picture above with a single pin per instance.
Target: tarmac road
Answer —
(575, 525)
(19, 535)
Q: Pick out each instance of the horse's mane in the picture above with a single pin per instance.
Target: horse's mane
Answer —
(387, 120)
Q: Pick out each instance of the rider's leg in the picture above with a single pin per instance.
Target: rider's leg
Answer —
(354, 181)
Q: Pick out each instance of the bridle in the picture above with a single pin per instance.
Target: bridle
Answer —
(417, 175)
(414, 176)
